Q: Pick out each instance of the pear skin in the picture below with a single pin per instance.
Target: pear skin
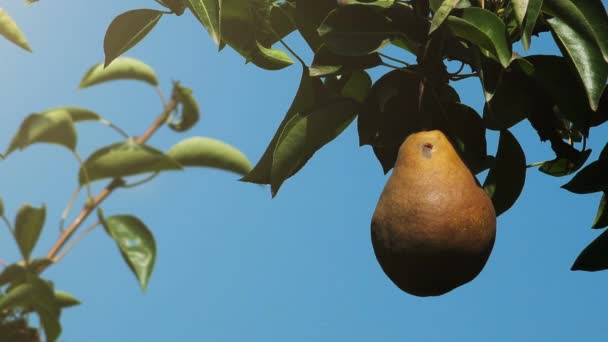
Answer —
(434, 227)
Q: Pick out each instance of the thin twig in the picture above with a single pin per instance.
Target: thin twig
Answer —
(88, 209)
(85, 172)
(76, 240)
(163, 100)
(293, 52)
(68, 207)
(393, 59)
(116, 128)
(8, 224)
(140, 182)
(390, 65)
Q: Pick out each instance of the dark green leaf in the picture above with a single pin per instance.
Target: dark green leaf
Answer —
(124, 159)
(574, 26)
(604, 153)
(601, 218)
(54, 127)
(28, 226)
(592, 178)
(309, 16)
(328, 63)
(306, 133)
(355, 31)
(357, 86)
(128, 29)
(123, 68)
(532, 13)
(176, 6)
(310, 93)
(484, 29)
(190, 113)
(563, 166)
(207, 152)
(442, 13)
(136, 244)
(595, 256)
(506, 179)
(10, 31)
(208, 13)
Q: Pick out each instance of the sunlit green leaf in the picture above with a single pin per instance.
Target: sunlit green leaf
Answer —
(442, 13)
(208, 13)
(532, 13)
(506, 179)
(65, 299)
(136, 244)
(274, 59)
(372, 3)
(128, 29)
(189, 114)
(16, 296)
(28, 226)
(520, 7)
(601, 218)
(123, 68)
(592, 178)
(76, 113)
(355, 31)
(357, 86)
(484, 29)
(207, 152)
(10, 31)
(595, 256)
(124, 159)
(54, 127)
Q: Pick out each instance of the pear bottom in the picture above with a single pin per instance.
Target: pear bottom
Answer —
(423, 272)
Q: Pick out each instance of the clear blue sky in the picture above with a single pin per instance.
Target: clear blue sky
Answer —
(234, 264)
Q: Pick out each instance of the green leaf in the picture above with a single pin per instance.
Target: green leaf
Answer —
(532, 13)
(54, 127)
(128, 29)
(28, 226)
(442, 13)
(176, 6)
(601, 218)
(357, 86)
(124, 159)
(123, 68)
(1, 207)
(306, 133)
(582, 35)
(190, 113)
(355, 31)
(594, 257)
(520, 7)
(563, 166)
(65, 300)
(309, 16)
(373, 3)
(10, 31)
(484, 29)
(506, 179)
(77, 114)
(311, 93)
(328, 63)
(592, 178)
(136, 244)
(16, 296)
(273, 59)
(208, 13)
(207, 152)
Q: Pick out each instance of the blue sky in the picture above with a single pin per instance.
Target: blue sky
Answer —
(234, 264)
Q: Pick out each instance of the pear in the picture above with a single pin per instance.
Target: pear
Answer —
(434, 227)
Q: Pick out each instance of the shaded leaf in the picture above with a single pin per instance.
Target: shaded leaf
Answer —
(207, 152)
(311, 93)
(355, 31)
(601, 218)
(594, 257)
(484, 29)
(576, 38)
(592, 178)
(124, 159)
(532, 13)
(53, 127)
(442, 13)
(327, 63)
(136, 244)
(28, 226)
(309, 16)
(190, 113)
(306, 133)
(128, 29)
(123, 68)
(208, 13)
(357, 86)
(563, 166)
(506, 179)
(10, 31)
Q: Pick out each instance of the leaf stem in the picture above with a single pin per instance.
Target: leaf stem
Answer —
(116, 128)
(8, 224)
(76, 240)
(68, 208)
(88, 209)
(140, 182)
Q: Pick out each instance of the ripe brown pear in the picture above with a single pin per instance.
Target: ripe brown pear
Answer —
(434, 227)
